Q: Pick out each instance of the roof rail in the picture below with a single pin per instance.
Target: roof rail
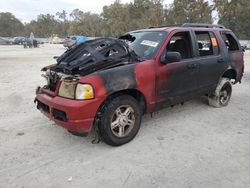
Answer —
(161, 26)
(203, 25)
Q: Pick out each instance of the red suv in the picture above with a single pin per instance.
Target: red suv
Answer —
(110, 83)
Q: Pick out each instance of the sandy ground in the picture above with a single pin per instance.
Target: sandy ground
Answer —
(186, 146)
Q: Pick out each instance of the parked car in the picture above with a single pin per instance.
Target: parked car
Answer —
(4, 41)
(27, 42)
(71, 41)
(30, 43)
(18, 40)
(110, 83)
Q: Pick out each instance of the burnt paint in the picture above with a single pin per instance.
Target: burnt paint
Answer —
(119, 78)
(138, 76)
(161, 85)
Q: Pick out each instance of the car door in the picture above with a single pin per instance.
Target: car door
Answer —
(212, 61)
(177, 81)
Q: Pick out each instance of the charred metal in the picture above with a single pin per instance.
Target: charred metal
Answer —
(89, 57)
(95, 55)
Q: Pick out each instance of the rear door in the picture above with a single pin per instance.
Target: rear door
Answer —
(212, 62)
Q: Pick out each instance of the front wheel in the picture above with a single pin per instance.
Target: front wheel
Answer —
(222, 94)
(119, 120)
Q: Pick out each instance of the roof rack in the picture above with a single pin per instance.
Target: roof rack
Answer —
(203, 25)
(161, 26)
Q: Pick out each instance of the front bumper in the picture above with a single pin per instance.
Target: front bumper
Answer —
(74, 115)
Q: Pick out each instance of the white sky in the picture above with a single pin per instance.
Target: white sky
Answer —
(26, 10)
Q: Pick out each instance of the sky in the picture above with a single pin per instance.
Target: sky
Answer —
(27, 10)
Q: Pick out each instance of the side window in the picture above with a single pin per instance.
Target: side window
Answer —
(181, 42)
(207, 43)
(230, 42)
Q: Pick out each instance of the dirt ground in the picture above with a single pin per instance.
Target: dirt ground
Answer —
(186, 146)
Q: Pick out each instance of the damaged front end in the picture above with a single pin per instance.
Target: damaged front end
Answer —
(87, 58)
(65, 96)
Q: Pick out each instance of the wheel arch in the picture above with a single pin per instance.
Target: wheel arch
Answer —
(139, 96)
(230, 73)
(132, 92)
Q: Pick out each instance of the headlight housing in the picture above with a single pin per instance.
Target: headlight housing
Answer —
(84, 91)
(74, 90)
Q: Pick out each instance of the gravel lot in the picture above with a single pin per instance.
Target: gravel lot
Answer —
(186, 146)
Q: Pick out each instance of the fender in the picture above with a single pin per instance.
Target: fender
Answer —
(132, 77)
(231, 73)
(119, 78)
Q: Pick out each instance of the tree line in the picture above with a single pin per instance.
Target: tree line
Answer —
(119, 18)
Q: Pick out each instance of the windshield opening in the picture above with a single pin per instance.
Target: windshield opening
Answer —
(145, 44)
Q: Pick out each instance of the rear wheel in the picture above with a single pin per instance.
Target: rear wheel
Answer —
(120, 120)
(222, 94)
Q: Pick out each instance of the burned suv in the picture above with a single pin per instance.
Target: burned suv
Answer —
(109, 83)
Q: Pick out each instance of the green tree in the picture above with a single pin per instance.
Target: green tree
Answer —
(235, 14)
(63, 23)
(193, 11)
(119, 18)
(44, 26)
(10, 26)
(115, 19)
(85, 23)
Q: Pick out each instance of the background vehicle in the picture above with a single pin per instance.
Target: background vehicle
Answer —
(4, 41)
(110, 83)
(18, 40)
(27, 43)
(70, 41)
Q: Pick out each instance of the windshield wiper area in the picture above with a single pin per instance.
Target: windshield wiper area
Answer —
(128, 37)
(94, 55)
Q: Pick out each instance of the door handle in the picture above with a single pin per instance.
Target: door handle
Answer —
(192, 66)
(220, 60)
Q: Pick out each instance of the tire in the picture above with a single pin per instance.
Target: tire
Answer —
(119, 120)
(222, 94)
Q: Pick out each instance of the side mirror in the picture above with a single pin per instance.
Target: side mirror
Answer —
(55, 57)
(170, 57)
